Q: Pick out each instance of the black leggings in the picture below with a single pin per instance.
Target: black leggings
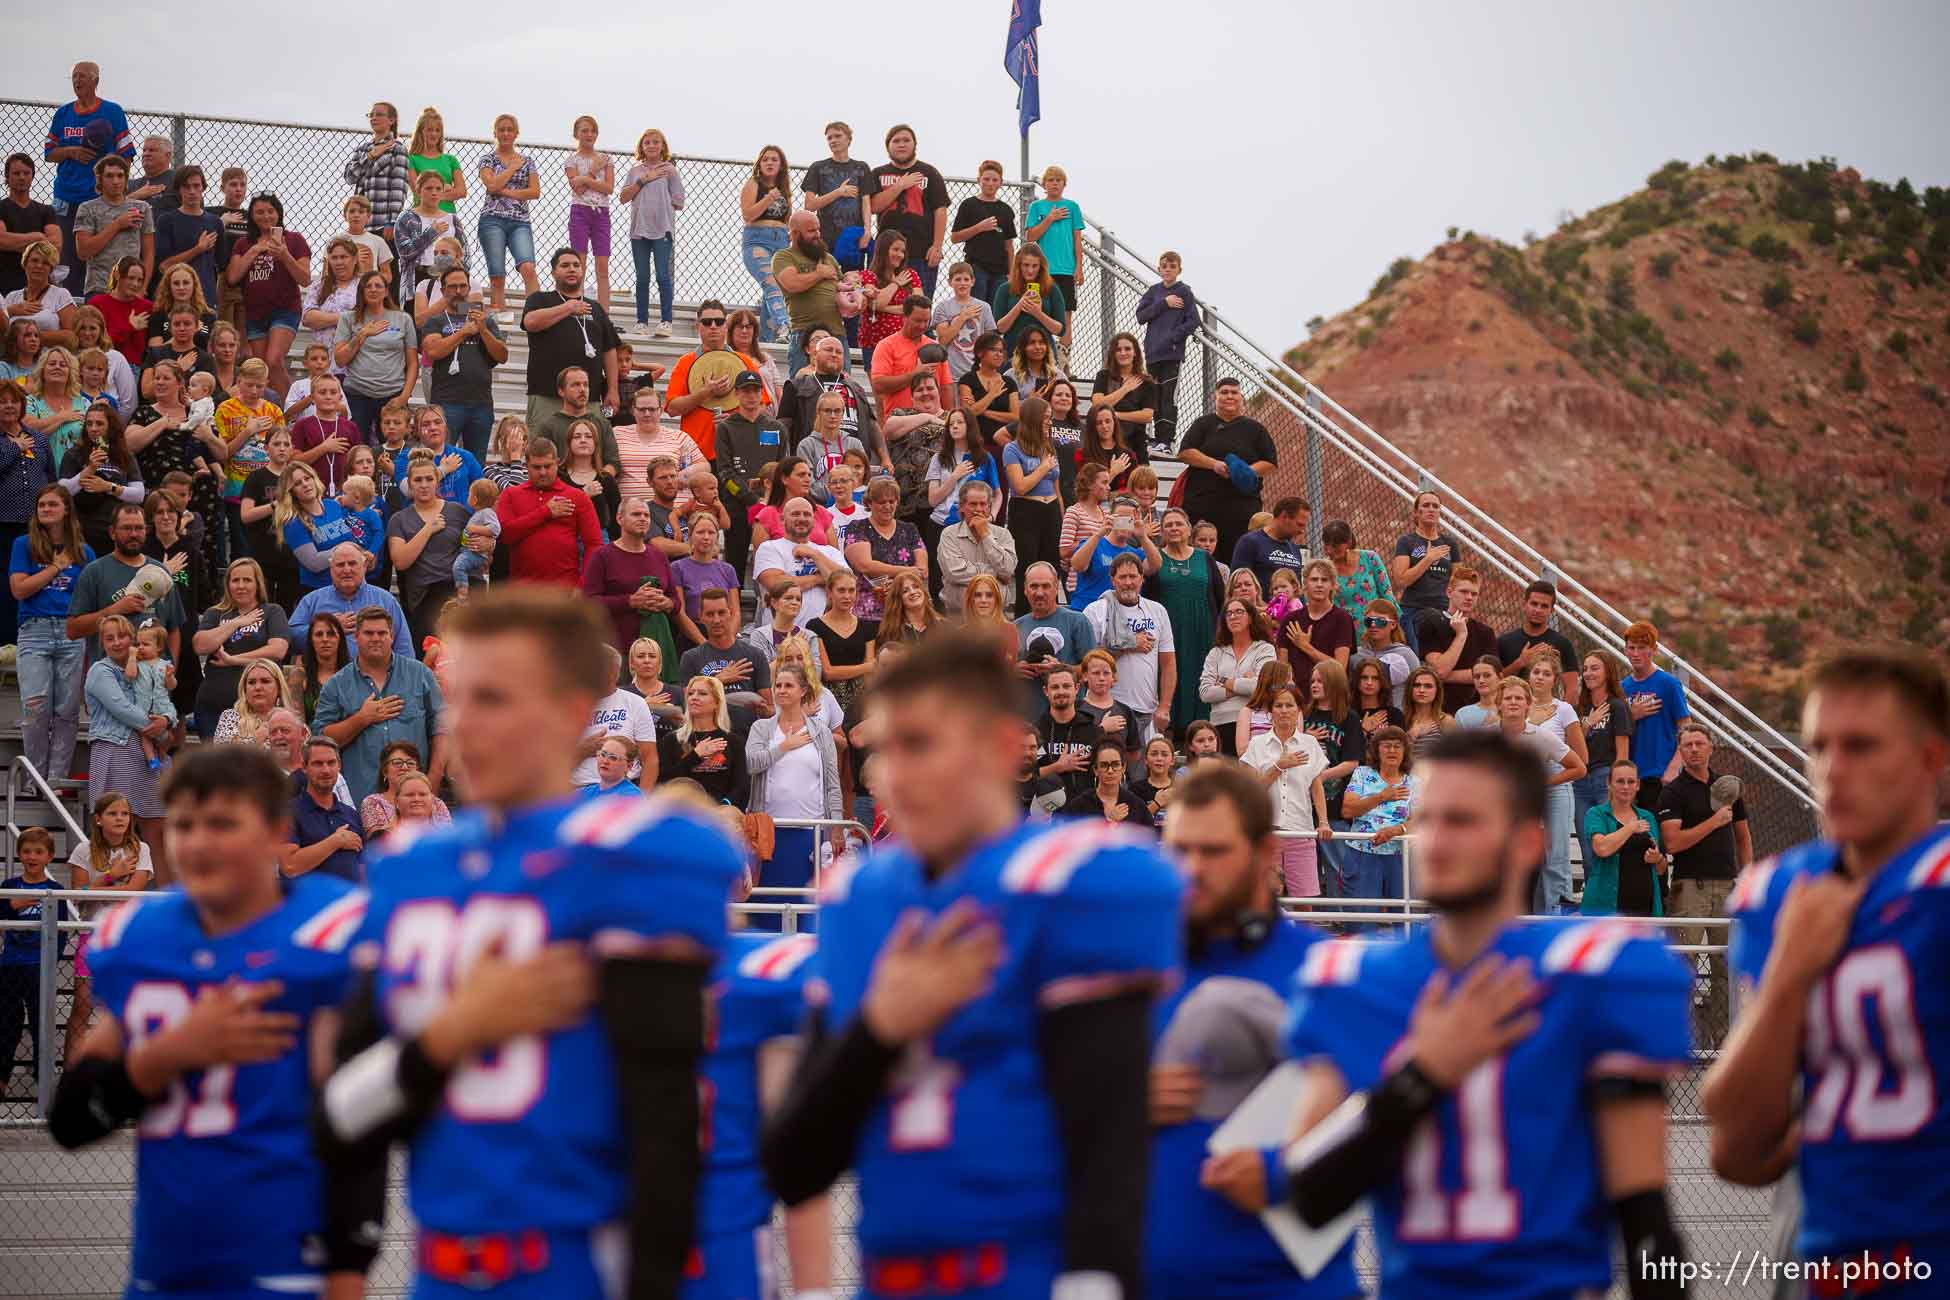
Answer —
(423, 615)
(1037, 525)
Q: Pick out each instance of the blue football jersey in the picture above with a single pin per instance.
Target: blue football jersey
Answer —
(1875, 1062)
(531, 1135)
(1197, 1243)
(758, 996)
(230, 1130)
(965, 1147)
(1501, 1193)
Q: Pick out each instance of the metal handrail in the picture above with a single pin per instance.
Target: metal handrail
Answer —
(1278, 382)
(14, 769)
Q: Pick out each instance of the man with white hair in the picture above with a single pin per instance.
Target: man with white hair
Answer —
(157, 184)
(975, 546)
(346, 596)
(285, 735)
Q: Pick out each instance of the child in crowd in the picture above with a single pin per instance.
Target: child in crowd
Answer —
(1144, 486)
(358, 212)
(843, 479)
(592, 178)
(202, 400)
(20, 952)
(702, 500)
(393, 424)
(1205, 536)
(177, 485)
(1169, 311)
(356, 496)
(244, 422)
(958, 322)
(235, 186)
(1282, 594)
(93, 367)
(151, 679)
(297, 398)
(1056, 224)
(483, 526)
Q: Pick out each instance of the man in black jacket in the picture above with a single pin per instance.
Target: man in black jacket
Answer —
(802, 396)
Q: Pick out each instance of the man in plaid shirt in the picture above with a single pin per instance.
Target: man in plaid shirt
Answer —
(380, 172)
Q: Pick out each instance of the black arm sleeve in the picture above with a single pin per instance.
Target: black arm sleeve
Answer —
(654, 1011)
(1362, 1146)
(93, 1098)
(810, 1139)
(1653, 1249)
(1097, 1065)
(355, 1207)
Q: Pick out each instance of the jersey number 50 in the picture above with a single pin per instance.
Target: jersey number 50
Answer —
(1878, 1096)
(431, 946)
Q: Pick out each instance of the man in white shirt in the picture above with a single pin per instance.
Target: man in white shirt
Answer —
(1138, 632)
(620, 713)
(796, 558)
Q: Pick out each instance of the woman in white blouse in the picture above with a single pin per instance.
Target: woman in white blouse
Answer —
(1242, 647)
(795, 775)
(1290, 762)
(1551, 726)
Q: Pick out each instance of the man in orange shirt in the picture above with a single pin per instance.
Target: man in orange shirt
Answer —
(897, 358)
(697, 419)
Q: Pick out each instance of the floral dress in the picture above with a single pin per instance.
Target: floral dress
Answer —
(178, 449)
(899, 549)
(1367, 782)
(877, 325)
(1369, 581)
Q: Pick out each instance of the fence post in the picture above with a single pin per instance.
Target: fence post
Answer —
(1316, 471)
(1106, 291)
(50, 970)
(178, 138)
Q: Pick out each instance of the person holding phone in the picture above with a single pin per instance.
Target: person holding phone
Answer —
(270, 264)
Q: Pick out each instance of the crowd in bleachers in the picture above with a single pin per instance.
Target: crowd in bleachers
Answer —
(208, 543)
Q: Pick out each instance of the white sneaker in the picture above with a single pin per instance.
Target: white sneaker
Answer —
(662, 331)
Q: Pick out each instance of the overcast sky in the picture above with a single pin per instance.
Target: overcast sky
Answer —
(1290, 151)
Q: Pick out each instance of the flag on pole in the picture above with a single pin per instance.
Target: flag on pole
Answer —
(1019, 58)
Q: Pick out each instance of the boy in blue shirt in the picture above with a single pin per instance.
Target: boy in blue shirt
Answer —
(1658, 708)
(1056, 224)
(20, 952)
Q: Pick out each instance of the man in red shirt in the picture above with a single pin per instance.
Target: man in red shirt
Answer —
(549, 525)
(897, 359)
(697, 419)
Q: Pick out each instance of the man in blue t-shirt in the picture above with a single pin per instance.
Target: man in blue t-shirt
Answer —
(1279, 545)
(1658, 707)
(77, 143)
(1123, 534)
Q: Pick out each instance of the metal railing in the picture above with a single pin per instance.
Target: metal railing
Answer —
(22, 767)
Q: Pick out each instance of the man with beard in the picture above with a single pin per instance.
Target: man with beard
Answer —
(1065, 736)
(693, 415)
(566, 329)
(810, 276)
(103, 588)
(1495, 1086)
(572, 404)
(801, 402)
(1215, 1035)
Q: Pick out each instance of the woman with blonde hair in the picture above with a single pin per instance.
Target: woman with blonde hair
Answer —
(507, 462)
(1516, 705)
(117, 723)
(54, 401)
(511, 182)
(261, 689)
(704, 748)
(795, 775)
(50, 306)
(242, 628)
(654, 193)
(982, 603)
(309, 524)
(381, 810)
(1550, 712)
(178, 288)
(335, 293)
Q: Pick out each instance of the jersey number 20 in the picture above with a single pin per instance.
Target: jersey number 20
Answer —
(434, 946)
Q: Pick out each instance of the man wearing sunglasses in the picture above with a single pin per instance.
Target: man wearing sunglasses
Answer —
(692, 409)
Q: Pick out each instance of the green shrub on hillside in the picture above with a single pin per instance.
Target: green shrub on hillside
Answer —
(1807, 329)
(1776, 293)
(1669, 176)
(1769, 247)
(1855, 379)
(1733, 162)
(1618, 287)
(1727, 359)
(1561, 255)
(1899, 343)
(1662, 265)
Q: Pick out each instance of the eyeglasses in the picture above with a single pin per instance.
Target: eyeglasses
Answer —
(1112, 766)
(1379, 622)
(716, 322)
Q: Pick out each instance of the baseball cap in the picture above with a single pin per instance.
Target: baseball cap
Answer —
(1230, 1029)
(748, 379)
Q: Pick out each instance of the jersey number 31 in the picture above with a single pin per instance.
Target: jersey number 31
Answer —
(430, 946)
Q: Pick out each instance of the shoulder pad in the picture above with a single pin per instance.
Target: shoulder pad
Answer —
(779, 959)
(110, 929)
(1337, 961)
(331, 928)
(1751, 890)
(1045, 863)
(1590, 947)
(613, 821)
(1932, 870)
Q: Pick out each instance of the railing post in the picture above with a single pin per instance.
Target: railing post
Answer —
(1106, 292)
(50, 970)
(1316, 471)
(178, 138)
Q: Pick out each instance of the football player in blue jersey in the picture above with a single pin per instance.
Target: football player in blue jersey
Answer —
(547, 1164)
(983, 1072)
(1843, 948)
(1496, 1086)
(757, 1001)
(1203, 1237)
(214, 993)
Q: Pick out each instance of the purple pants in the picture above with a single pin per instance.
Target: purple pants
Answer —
(589, 229)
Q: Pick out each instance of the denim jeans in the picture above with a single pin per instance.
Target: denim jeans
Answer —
(1587, 792)
(760, 244)
(641, 252)
(501, 236)
(470, 424)
(365, 413)
(1362, 877)
(987, 282)
(49, 666)
(1554, 882)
